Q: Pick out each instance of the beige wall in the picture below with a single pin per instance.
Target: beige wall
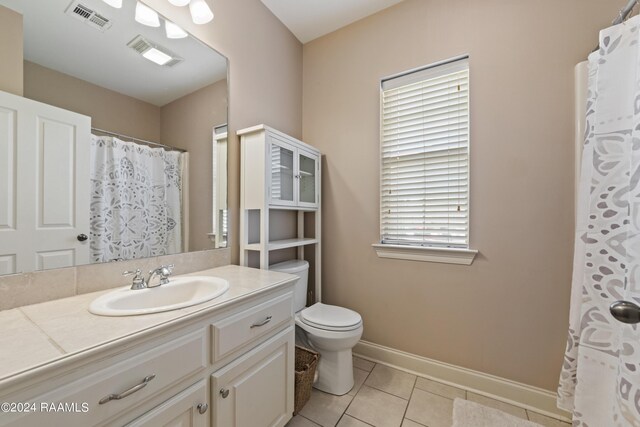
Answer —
(10, 51)
(265, 76)
(507, 313)
(108, 109)
(188, 123)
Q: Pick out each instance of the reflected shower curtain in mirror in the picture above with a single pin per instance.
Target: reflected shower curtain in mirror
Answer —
(600, 379)
(136, 200)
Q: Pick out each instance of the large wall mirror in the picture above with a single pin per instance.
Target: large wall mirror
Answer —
(118, 148)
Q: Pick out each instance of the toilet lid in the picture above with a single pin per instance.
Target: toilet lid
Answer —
(325, 316)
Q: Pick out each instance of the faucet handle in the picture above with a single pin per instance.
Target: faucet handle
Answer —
(138, 279)
(137, 272)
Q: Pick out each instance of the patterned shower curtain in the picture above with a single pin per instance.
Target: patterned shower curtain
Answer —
(136, 200)
(600, 379)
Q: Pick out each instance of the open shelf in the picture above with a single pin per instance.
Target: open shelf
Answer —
(274, 245)
(291, 243)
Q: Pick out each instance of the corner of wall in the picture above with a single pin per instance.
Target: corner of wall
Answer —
(11, 51)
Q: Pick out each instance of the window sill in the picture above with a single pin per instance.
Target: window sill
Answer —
(426, 254)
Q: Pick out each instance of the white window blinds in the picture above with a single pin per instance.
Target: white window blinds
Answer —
(424, 186)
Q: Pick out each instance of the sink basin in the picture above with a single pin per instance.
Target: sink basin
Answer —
(178, 293)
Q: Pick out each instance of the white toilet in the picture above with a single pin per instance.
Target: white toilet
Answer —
(331, 330)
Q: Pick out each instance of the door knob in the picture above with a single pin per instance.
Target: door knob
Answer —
(224, 392)
(202, 408)
(82, 237)
(625, 311)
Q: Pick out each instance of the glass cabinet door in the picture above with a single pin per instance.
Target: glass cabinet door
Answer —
(282, 176)
(308, 178)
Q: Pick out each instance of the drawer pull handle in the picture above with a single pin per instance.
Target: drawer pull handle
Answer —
(224, 392)
(126, 393)
(264, 322)
(202, 408)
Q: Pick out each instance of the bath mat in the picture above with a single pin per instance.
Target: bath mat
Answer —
(471, 414)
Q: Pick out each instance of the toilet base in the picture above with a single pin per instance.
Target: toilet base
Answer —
(335, 372)
(335, 367)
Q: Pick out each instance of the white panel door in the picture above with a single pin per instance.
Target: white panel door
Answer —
(10, 238)
(50, 194)
(61, 205)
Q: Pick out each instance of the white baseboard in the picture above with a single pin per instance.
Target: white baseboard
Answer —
(523, 395)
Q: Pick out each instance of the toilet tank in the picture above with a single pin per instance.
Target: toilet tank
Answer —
(300, 268)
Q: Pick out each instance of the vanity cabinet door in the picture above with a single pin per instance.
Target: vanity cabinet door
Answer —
(188, 408)
(307, 176)
(282, 181)
(256, 390)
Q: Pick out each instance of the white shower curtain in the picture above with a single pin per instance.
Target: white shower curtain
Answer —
(136, 200)
(600, 379)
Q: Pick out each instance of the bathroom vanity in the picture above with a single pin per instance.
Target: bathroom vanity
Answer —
(226, 362)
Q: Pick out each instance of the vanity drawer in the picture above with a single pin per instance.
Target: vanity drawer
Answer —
(236, 331)
(190, 404)
(129, 382)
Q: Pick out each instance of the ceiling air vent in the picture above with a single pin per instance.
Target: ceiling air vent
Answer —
(140, 44)
(88, 16)
(154, 52)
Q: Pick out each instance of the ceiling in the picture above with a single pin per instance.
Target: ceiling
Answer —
(61, 42)
(310, 19)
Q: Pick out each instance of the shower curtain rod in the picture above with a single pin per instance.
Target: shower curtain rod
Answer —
(139, 140)
(625, 11)
(622, 15)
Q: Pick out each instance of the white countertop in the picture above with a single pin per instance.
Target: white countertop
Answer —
(37, 335)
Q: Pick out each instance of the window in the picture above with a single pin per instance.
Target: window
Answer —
(424, 182)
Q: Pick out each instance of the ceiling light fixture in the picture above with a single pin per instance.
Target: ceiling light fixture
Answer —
(179, 3)
(114, 3)
(154, 52)
(157, 56)
(173, 31)
(200, 12)
(147, 16)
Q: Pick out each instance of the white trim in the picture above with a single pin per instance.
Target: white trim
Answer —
(426, 73)
(423, 253)
(219, 136)
(288, 138)
(525, 396)
(432, 65)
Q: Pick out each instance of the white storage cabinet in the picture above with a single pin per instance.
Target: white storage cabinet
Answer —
(278, 172)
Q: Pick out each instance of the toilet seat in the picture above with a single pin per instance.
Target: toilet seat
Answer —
(330, 317)
(324, 333)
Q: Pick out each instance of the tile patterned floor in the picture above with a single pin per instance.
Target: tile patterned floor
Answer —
(386, 397)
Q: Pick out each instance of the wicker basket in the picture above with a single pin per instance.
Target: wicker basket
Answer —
(306, 363)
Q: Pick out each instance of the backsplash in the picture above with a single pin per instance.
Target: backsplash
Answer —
(17, 290)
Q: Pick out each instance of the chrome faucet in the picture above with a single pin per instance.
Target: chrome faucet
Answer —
(164, 271)
(138, 279)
